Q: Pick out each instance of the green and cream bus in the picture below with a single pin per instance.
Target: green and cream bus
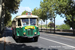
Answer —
(26, 26)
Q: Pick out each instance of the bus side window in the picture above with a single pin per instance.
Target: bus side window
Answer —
(19, 22)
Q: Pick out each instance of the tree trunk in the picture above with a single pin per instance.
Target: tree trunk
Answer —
(73, 25)
(74, 32)
(54, 24)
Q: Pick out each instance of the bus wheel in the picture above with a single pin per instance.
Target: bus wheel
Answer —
(13, 36)
(16, 37)
(35, 39)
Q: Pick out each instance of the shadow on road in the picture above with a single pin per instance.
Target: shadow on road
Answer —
(12, 46)
(24, 40)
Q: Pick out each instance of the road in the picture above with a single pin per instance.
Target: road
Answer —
(45, 42)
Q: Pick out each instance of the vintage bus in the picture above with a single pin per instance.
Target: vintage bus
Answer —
(26, 26)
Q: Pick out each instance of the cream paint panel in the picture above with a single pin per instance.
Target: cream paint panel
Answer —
(27, 16)
(18, 26)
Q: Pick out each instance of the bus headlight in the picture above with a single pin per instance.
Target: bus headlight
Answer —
(35, 33)
(24, 33)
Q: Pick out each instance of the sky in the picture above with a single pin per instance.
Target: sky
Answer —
(29, 5)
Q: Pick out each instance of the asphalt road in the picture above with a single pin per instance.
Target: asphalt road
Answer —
(45, 42)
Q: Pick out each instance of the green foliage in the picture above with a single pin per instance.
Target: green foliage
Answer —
(43, 26)
(57, 26)
(66, 7)
(63, 26)
(9, 23)
(24, 13)
(38, 11)
(11, 6)
(7, 18)
(51, 24)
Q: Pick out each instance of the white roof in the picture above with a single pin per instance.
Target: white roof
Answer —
(27, 16)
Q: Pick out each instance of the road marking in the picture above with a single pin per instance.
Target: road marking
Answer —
(57, 42)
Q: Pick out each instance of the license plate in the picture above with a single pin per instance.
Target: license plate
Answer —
(30, 37)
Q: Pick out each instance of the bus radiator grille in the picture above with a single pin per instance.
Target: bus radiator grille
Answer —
(30, 32)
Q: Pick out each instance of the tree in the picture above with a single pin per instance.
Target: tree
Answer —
(7, 18)
(39, 12)
(66, 7)
(50, 24)
(11, 6)
(24, 13)
(64, 26)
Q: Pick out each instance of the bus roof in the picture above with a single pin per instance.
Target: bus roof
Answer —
(27, 16)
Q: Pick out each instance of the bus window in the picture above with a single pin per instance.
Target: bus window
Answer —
(25, 22)
(33, 21)
(19, 22)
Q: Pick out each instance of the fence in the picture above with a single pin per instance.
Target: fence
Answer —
(56, 30)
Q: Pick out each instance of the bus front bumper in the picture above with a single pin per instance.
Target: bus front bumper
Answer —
(30, 36)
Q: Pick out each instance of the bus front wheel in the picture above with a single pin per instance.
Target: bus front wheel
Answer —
(35, 39)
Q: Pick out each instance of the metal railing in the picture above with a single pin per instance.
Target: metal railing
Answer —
(56, 30)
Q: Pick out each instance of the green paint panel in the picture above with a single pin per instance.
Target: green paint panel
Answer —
(19, 31)
(28, 32)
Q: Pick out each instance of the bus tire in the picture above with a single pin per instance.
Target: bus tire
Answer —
(13, 36)
(16, 37)
(35, 39)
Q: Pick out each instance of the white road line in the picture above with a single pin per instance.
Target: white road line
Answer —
(57, 42)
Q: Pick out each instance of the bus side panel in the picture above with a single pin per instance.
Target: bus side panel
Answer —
(19, 31)
(37, 30)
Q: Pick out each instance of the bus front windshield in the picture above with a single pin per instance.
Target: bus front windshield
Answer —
(25, 22)
(33, 21)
